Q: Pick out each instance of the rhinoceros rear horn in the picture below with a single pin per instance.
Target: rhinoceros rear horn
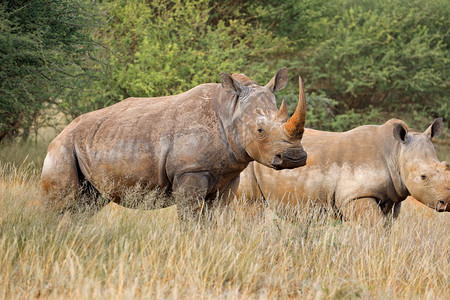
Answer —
(435, 129)
(295, 126)
(279, 81)
(282, 114)
(232, 86)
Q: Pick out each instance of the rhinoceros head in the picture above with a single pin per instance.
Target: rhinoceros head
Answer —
(427, 179)
(267, 134)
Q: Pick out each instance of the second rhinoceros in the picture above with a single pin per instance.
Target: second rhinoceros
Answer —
(195, 144)
(367, 171)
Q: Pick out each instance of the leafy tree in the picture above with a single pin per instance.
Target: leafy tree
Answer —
(43, 46)
(160, 47)
(393, 55)
(371, 59)
(297, 20)
(361, 61)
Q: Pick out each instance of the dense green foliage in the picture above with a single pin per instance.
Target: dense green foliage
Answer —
(160, 47)
(377, 59)
(393, 55)
(362, 61)
(42, 49)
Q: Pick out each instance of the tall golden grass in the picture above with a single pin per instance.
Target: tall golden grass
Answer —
(122, 253)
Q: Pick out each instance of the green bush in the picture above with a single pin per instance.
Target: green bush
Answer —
(158, 48)
(42, 47)
(375, 59)
(361, 61)
(393, 55)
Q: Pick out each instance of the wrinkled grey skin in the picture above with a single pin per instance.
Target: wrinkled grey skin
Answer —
(364, 172)
(194, 144)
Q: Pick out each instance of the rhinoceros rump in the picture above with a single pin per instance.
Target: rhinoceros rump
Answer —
(367, 171)
(195, 144)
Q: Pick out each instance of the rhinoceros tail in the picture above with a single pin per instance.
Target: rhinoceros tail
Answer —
(87, 194)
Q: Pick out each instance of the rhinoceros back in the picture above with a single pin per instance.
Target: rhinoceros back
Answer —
(138, 141)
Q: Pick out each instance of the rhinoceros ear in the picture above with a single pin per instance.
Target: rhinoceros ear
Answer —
(401, 133)
(232, 86)
(279, 81)
(435, 129)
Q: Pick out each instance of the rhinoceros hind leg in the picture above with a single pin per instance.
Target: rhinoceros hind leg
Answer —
(64, 186)
(87, 199)
(59, 181)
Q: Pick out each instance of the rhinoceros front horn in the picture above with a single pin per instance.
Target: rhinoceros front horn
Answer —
(295, 126)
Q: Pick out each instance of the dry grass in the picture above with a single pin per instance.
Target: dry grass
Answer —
(122, 253)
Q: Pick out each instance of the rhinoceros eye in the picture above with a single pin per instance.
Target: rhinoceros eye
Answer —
(423, 177)
(262, 134)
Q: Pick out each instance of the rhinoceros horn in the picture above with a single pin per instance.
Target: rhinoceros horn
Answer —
(282, 114)
(295, 126)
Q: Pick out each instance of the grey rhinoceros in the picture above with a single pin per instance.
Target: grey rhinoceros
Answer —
(194, 144)
(367, 171)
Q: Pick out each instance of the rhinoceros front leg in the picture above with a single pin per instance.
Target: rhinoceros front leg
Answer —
(364, 210)
(190, 190)
(228, 193)
(391, 209)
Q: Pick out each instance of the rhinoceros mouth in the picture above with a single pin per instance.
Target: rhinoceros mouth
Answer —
(286, 162)
(303, 158)
(442, 206)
